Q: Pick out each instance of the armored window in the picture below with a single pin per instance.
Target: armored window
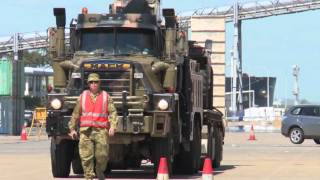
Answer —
(97, 39)
(135, 41)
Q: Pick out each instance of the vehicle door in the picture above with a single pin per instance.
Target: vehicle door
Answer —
(316, 121)
(310, 120)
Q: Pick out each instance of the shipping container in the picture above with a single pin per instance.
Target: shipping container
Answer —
(5, 115)
(5, 77)
(18, 79)
(12, 78)
(11, 115)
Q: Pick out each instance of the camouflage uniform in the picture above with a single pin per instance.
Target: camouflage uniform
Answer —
(93, 141)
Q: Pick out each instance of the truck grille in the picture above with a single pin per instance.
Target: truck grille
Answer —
(114, 82)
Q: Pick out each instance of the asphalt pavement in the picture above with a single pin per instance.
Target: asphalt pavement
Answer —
(270, 157)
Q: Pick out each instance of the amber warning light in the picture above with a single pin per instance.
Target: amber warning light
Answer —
(84, 10)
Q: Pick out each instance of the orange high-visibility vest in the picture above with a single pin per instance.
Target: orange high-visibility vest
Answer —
(94, 114)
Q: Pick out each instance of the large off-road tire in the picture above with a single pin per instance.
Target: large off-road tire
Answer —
(210, 143)
(107, 171)
(162, 147)
(77, 166)
(188, 162)
(218, 145)
(76, 161)
(61, 156)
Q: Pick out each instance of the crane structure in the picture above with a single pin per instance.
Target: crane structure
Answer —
(234, 13)
(254, 10)
(245, 11)
(23, 41)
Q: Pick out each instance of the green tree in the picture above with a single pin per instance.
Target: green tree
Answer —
(35, 58)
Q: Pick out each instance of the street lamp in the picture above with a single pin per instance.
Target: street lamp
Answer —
(268, 91)
(295, 73)
(250, 102)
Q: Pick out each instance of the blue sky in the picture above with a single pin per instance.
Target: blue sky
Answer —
(271, 46)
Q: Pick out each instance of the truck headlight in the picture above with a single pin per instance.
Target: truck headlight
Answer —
(163, 105)
(56, 103)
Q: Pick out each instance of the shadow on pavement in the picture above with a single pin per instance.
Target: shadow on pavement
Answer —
(147, 173)
(224, 168)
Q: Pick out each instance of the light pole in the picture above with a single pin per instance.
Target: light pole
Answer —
(250, 104)
(233, 86)
(295, 73)
(236, 65)
(268, 90)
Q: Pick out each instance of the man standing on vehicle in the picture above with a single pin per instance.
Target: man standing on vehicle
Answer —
(97, 116)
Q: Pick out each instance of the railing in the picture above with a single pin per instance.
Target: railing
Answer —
(25, 41)
(252, 10)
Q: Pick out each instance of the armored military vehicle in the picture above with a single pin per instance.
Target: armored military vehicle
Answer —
(161, 83)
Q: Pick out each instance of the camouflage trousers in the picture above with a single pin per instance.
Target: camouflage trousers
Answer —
(93, 150)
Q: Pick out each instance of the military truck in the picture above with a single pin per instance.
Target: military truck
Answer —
(161, 84)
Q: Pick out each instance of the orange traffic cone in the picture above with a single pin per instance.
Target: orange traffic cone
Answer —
(252, 137)
(207, 172)
(23, 135)
(163, 169)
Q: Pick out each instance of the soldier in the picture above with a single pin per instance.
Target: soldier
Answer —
(98, 120)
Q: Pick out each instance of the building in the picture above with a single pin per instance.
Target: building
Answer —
(37, 81)
(255, 91)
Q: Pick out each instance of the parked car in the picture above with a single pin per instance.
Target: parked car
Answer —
(302, 122)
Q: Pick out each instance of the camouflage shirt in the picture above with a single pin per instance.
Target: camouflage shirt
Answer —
(73, 123)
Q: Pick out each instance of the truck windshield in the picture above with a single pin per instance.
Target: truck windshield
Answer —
(94, 39)
(118, 41)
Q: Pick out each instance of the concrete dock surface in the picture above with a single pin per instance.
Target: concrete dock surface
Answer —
(270, 157)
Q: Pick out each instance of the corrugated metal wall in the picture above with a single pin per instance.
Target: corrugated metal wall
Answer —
(5, 77)
(5, 114)
(9, 125)
(18, 79)
(12, 85)
(18, 86)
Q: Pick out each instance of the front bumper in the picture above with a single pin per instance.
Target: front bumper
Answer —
(157, 125)
(57, 123)
(284, 130)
